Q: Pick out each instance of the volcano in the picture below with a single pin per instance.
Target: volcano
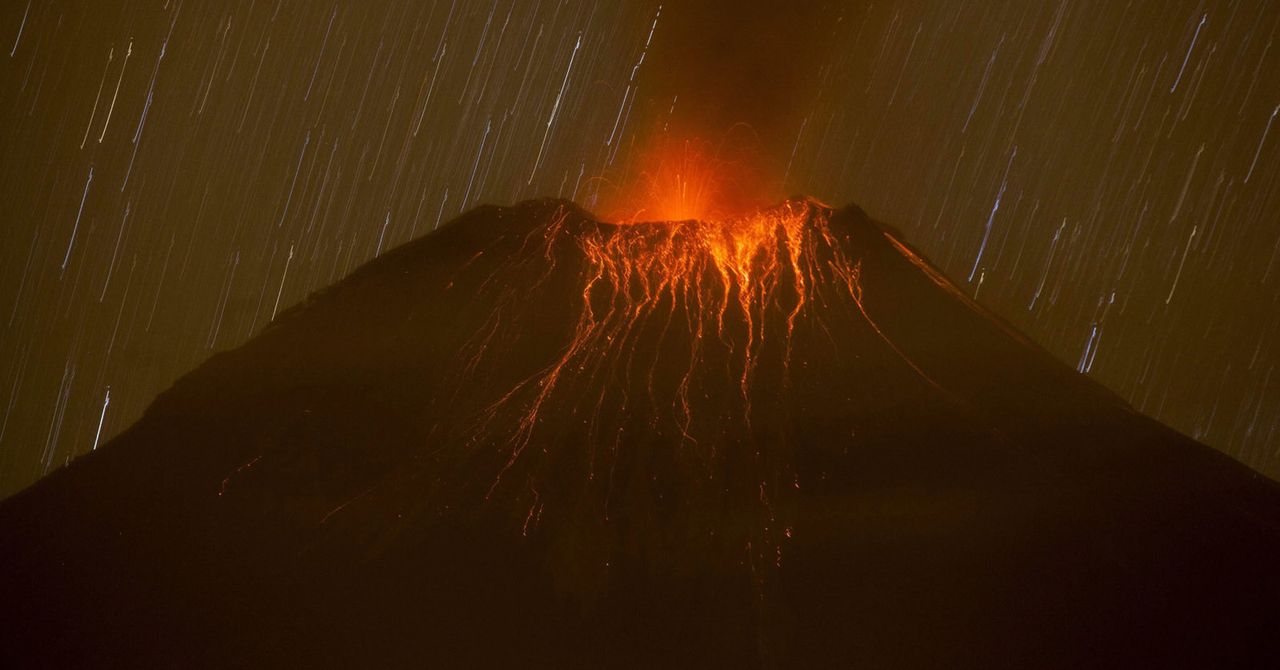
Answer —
(536, 439)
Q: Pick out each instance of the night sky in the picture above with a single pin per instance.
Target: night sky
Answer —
(173, 174)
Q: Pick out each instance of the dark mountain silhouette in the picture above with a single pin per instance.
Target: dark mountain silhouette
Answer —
(534, 439)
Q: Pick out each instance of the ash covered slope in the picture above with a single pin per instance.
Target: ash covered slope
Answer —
(532, 438)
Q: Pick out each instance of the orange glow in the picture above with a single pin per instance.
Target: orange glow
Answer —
(740, 282)
(669, 309)
(680, 333)
(682, 180)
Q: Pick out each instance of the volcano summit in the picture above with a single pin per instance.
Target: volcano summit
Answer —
(536, 439)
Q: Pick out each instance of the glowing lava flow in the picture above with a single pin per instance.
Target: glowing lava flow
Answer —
(673, 306)
(644, 386)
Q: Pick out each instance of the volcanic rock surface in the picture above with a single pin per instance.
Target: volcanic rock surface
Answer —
(535, 439)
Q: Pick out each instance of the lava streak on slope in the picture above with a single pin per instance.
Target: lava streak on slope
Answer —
(668, 392)
(743, 281)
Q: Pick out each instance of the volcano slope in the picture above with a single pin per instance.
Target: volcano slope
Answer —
(535, 439)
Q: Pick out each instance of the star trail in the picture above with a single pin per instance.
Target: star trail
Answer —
(174, 175)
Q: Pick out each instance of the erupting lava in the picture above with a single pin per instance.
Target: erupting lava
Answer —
(685, 180)
(743, 281)
(683, 341)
